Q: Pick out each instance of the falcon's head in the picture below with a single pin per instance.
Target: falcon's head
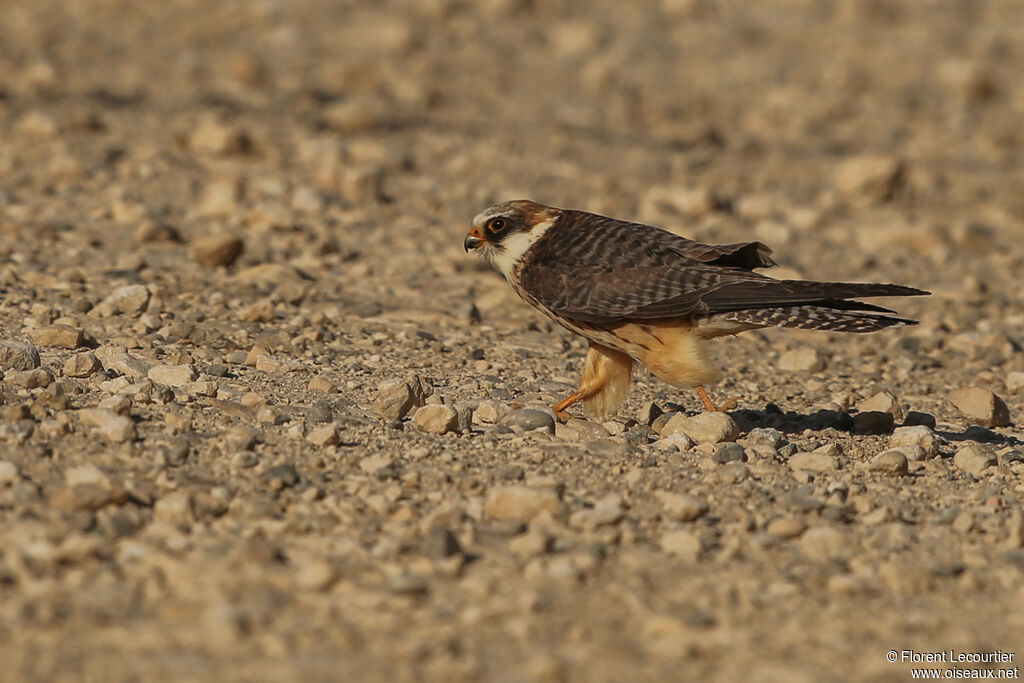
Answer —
(505, 232)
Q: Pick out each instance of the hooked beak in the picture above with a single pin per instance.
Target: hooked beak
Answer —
(473, 240)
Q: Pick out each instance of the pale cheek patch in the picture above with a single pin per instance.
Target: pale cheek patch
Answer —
(512, 249)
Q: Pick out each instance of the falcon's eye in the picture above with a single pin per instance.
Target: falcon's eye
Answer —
(496, 225)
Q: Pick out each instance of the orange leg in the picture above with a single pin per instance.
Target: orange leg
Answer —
(561, 406)
(709, 405)
(603, 385)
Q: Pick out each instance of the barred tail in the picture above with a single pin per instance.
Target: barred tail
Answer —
(817, 318)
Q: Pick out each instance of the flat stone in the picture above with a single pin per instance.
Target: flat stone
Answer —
(1014, 382)
(529, 419)
(436, 419)
(16, 355)
(813, 462)
(522, 502)
(217, 250)
(974, 459)
(891, 462)
(118, 359)
(703, 428)
(173, 375)
(981, 407)
(63, 336)
(321, 383)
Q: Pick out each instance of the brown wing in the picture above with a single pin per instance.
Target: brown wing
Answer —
(599, 269)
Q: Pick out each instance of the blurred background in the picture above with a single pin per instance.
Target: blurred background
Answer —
(295, 178)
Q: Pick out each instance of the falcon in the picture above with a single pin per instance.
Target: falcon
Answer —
(643, 295)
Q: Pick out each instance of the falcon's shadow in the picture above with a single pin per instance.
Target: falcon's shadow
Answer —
(792, 422)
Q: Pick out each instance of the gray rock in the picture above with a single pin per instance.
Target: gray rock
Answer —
(440, 543)
(729, 452)
(282, 476)
(529, 419)
(16, 355)
(974, 459)
(981, 407)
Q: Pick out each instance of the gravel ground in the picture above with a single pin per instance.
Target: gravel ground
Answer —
(261, 419)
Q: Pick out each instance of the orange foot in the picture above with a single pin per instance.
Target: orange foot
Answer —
(710, 406)
(561, 406)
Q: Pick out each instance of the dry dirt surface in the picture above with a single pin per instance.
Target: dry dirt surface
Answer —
(262, 419)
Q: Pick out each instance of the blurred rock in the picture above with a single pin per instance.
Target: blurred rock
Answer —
(18, 356)
(703, 427)
(804, 359)
(981, 407)
(217, 250)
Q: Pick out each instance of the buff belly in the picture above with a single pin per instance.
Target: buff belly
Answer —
(675, 351)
